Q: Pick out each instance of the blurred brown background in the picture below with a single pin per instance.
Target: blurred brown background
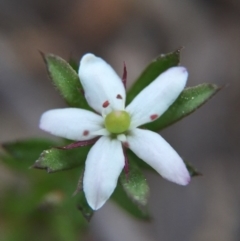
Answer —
(136, 31)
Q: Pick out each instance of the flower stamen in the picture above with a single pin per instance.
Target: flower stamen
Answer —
(86, 133)
(154, 117)
(105, 104)
(119, 96)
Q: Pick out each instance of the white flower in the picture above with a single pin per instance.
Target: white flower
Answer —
(118, 126)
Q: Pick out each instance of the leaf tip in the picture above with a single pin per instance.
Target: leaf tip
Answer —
(220, 87)
(179, 50)
(49, 170)
(37, 165)
(86, 214)
(41, 53)
(192, 170)
(44, 57)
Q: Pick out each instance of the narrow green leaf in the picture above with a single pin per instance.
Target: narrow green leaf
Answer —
(79, 185)
(74, 64)
(28, 150)
(189, 100)
(134, 183)
(121, 198)
(66, 81)
(192, 170)
(82, 203)
(83, 206)
(143, 165)
(152, 71)
(54, 160)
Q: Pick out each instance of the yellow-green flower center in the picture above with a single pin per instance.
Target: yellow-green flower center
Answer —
(117, 121)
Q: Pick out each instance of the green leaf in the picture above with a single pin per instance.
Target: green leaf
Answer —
(82, 203)
(66, 81)
(121, 198)
(83, 206)
(188, 101)
(74, 64)
(192, 170)
(152, 71)
(28, 150)
(134, 183)
(143, 165)
(54, 160)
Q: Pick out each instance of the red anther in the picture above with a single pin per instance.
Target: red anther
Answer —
(105, 104)
(124, 77)
(85, 133)
(119, 96)
(154, 117)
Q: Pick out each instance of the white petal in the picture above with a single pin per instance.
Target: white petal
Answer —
(71, 123)
(104, 164)
(101, 83)
(101, 132)
(156, 98)
(155, 151)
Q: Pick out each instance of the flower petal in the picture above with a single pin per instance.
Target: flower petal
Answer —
(102, 86)
(104, 164)
(71, 123)
(156, 98)
(155, 151)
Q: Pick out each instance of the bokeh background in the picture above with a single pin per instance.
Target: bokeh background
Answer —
(136, 31)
